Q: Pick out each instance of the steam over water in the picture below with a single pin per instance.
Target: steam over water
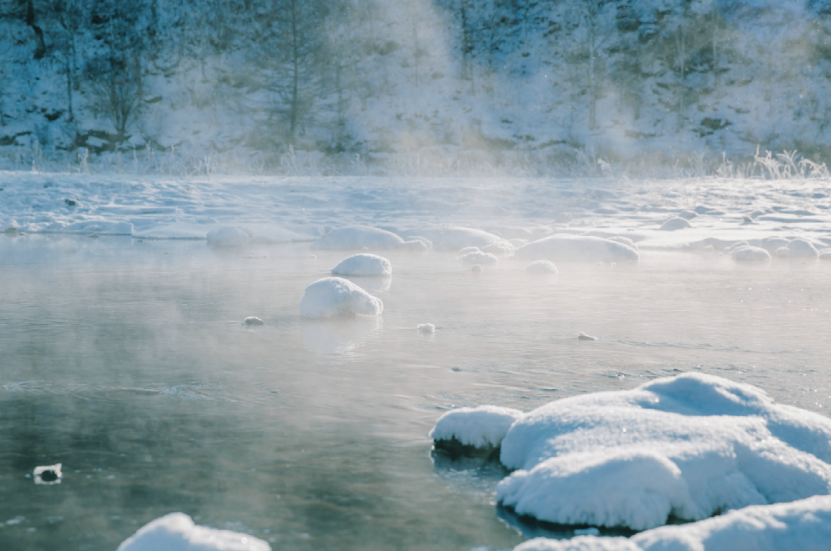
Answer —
(128, 362)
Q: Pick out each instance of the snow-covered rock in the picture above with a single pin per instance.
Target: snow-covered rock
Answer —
(675, 223)
(359, 237)
(625, 240)
(803, 525)
(802, 248)
(578, 248)
(364, 265)
(479, 257)
(177, 532)
(770, 244)
(456, 238)
(426, 328)
(541, 267)
(480, 427)
(253, 320)
(333, 296)
(689, 446)
(750, 254)
(228, 236)
(48, 474)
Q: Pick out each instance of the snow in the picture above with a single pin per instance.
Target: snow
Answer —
(802, 248)
(483, 426)
(364, 265)
(803, 524)
(578, 248)
(426, 328)
(359, 237)
(675, 223)
(334, 296)
(456, 238)
(228, 236)
(746, 253)
(541, 267)
(48, 474)
(177, 532)
(479, 257)
(687, 446)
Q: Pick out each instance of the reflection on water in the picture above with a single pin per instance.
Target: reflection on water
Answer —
(127, 361)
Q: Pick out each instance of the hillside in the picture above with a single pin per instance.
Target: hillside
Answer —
(559, 82)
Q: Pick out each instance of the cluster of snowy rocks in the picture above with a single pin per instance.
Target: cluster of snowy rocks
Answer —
(688, 448)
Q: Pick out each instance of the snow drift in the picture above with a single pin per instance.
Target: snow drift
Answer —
(333, 296)
(177, 532)
(578, 248)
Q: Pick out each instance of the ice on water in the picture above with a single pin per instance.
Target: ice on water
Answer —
(335, 296)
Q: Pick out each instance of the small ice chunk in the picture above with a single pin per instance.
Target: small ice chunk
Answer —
(480, 427)
(253, 320)
(177, 532)
(426, 328)
(364, 265)
(228, 236)
(48, 474)
(750, 254)
(584, 337)
(476, 268)
(541, 267)
(503, 248)
(675, 223)
(478, 257)
(333, 296)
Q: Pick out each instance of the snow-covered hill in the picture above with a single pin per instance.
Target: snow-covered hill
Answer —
(456, 81)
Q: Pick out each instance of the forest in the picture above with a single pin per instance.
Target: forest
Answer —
(371, 79)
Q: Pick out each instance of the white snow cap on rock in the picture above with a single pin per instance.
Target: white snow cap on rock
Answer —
(750, 254)
(803, 525)
(363, 237)
(228, 236)
(333, 296)
(456, 238)
(364, 265)
(578, 248)
(690, 446)
(478, 257)
(481, 426)
(802, 248)
(541, 267)
(177, 532)
(675, 223)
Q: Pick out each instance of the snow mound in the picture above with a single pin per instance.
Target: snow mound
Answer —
(333, 296)
(825, 255)
(359, 237)
(750, 254)
(688, 446)
(541, 267)
(364, 265)
(770, 244)
(228, 236)
(802, 248)
(426, 328)
(625, 240)
(804, 525)
(675, 223)
(456, 238)
(177, 532)
(481, 427)
(479, 257)
(578, 248)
